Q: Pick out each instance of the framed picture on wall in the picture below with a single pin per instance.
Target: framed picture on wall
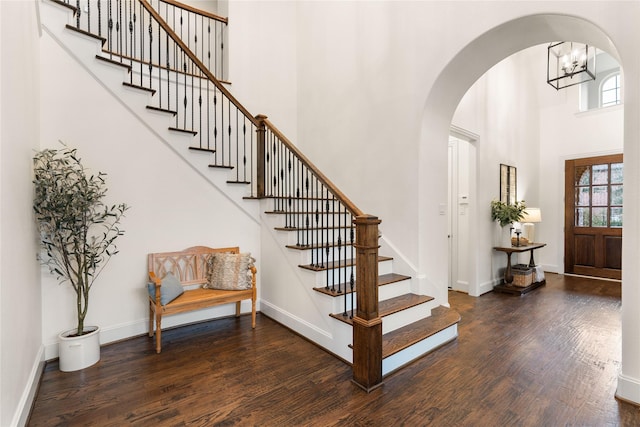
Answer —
(508, 182)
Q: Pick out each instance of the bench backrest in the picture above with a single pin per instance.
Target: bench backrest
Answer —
(189, 265)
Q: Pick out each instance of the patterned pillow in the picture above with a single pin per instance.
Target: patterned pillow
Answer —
(229, 271)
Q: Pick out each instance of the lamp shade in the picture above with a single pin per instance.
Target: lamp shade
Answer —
(532, 215)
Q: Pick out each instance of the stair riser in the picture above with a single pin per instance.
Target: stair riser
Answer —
(333, 277)
(405, 317)
(393, 290)
(340, 275)
(310, 256)
(406, 356)
(337, 224)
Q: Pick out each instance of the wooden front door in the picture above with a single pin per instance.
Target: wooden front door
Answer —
(593, 216)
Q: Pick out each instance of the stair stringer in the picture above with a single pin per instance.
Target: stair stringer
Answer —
(287, 294)
(83, 49)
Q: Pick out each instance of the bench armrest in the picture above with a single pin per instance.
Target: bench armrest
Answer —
(158, 282)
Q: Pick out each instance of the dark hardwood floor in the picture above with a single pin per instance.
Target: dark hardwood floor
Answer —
(549, 358)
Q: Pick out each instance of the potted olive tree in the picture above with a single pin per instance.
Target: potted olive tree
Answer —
(77, 235)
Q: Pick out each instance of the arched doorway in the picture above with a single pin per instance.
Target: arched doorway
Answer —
(458, 76)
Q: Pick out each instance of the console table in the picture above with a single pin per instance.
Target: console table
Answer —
(508, 286)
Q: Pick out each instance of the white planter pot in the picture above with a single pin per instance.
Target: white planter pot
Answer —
(77, 353)
(502, 235)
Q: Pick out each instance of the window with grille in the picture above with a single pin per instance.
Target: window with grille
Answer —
(599, 194)
(610, 91)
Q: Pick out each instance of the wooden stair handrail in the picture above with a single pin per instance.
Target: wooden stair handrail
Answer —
(196, 61)
(196, 11)
(351, 207)
(367, 361)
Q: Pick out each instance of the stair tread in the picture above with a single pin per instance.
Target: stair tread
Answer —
(189, 131)
(383, 279)
(114, 62)
(440, 319)
(312, 228)
(138, 87)
(161, 110)
(202, 150)
(307, 212)
(87, 33)
(391, 306)
(338, 264)
(318, 246)
(299, 198)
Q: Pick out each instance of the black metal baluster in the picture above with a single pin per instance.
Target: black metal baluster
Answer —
(222, 53)
(168, 70)
(208, 115)
(299, 200)
(135, 44)
(215, 43)
(319, 222)
(142, 43)
(308, 211)
(330, 271)
(88, 16)
(229, 131)
(343, 280)
(244, 150)
(276, 201)
(159, 65)
(352, 281)
(118, 28)
(289, 195)
(189, 68)
(110, 30)
(237, 149)
(200, 108)
(253, 162)
(99, 18)
(335, 236)
(150, 51)
(126, 28)
(215, 124)
(222, 129)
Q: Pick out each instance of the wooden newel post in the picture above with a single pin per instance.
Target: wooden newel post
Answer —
(367, 324)
(260, 155)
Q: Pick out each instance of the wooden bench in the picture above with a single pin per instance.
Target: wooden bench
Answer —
(190, 268)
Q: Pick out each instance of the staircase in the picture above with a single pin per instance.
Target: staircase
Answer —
(310, 226)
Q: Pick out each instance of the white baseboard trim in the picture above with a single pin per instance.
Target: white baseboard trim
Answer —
(21, 416)
(628, 389)
(335, 342)
(487, 286)
(296, 323)
(122, 331)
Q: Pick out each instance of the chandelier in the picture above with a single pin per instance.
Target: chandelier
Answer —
(570, 63)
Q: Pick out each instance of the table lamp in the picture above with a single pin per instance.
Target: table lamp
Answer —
(531, 216)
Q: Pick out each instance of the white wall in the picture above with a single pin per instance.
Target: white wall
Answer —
(20, 303)
(357, 85)
(262, 60)
(502, 108)
(378, 84)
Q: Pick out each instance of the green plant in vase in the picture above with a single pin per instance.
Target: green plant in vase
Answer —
(507, 214)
